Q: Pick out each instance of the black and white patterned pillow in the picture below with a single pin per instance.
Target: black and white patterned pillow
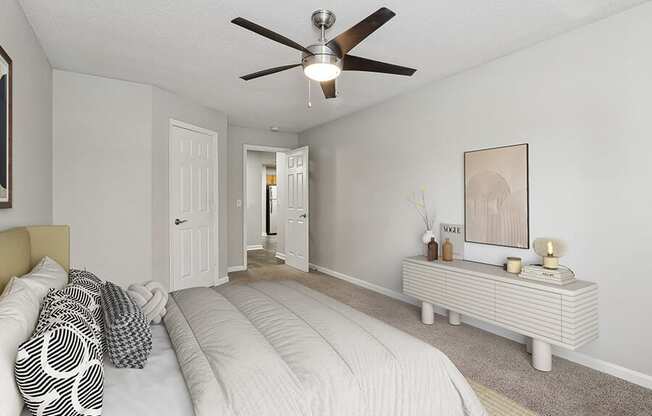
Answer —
(59, 306)
(128, 334)
(76, 275)
(59, 370)
(91, 286)
(85, 291)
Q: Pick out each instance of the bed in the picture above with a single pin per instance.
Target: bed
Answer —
(271, 348)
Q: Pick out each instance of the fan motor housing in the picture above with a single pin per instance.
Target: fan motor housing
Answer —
(321, 54)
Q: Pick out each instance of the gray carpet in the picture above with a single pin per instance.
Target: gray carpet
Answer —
(495, 362)
(266, 256)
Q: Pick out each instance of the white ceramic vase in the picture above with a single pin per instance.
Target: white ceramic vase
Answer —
(427, 236)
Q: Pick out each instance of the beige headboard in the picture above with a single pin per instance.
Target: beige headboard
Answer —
(21, 248)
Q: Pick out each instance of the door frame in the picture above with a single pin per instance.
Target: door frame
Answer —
(216, 221)
(245, 149)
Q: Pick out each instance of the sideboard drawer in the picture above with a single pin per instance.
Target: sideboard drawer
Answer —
(534, 311)
(423, 283)
(470, 295)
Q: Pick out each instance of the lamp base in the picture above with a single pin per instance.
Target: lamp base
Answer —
(551, 262)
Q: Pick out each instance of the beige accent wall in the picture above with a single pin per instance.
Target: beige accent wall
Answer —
(32, 121)
(582, 101)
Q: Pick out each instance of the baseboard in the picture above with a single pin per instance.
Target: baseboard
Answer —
(255, 247)
(233, 269)
(280, 256)
(615, 370)
(221, 280)
(358, 282)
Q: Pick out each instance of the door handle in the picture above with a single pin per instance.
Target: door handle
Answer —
(178, 221)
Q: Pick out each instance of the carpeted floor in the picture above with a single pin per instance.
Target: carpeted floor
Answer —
(493, 362)
(266, 256)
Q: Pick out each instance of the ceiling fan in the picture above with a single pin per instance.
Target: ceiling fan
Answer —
(326, 59)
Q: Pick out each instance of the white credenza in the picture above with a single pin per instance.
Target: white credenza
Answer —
(566, 316)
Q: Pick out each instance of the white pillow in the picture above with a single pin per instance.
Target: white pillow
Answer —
(46, 275)
(19, 310)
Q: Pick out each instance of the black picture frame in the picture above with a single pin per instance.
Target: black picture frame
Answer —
(6, 127)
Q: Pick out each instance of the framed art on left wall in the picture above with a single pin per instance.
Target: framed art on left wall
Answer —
(6, 188)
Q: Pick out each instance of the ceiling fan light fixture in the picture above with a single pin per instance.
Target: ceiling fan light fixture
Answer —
(321, 66)
(322, 72)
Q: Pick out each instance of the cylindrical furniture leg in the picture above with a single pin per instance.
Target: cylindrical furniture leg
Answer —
(541, 355)
(427, 313)
(453, 318)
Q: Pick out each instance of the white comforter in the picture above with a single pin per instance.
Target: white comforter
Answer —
(283, 349)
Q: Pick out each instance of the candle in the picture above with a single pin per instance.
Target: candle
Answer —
(550, 249)
(514, 265)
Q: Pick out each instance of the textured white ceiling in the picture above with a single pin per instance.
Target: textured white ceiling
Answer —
(190, 47)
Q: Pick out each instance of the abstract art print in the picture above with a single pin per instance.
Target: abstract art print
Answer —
(496, 196)
(5, 130)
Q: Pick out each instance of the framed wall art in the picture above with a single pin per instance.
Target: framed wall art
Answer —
(496, 196)
(6, 189)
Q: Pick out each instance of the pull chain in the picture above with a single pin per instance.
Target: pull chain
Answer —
(309, 101)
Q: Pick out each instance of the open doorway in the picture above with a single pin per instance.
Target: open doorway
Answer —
(263, 232)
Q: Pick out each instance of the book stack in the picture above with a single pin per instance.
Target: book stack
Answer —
(561, 276)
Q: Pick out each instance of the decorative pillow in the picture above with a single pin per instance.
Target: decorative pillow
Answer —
(152, 299)
(77, 275)
(128, 335)
(85, 288)
(18, 315)
(46, 275)
(59, 370)
(59, 306)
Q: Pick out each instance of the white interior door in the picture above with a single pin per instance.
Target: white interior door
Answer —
(296, 218)
(193, 211)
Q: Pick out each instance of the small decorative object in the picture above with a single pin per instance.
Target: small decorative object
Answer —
(560, 276)
(447, 250)
(427, 236)
(419, 203)
(152, 298)
(514, 265)
(455, 233)
(6, 188)
(433, 250)
(496, 196)
(550, 250)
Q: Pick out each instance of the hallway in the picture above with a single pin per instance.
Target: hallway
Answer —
(266, 256)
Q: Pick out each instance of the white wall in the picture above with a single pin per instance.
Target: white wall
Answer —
(581, 100)
(167, 105)
(281, 189)
(256, 190)
(32, 121)
(111, 173)
(238, 137)
(103, 174)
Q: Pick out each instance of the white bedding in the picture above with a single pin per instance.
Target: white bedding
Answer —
(281, 349)
(156, 390)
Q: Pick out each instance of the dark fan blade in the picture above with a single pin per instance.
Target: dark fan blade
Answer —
(346, 41)
(268, 72)
(355, 63)
(329, 88)
(268, 34)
